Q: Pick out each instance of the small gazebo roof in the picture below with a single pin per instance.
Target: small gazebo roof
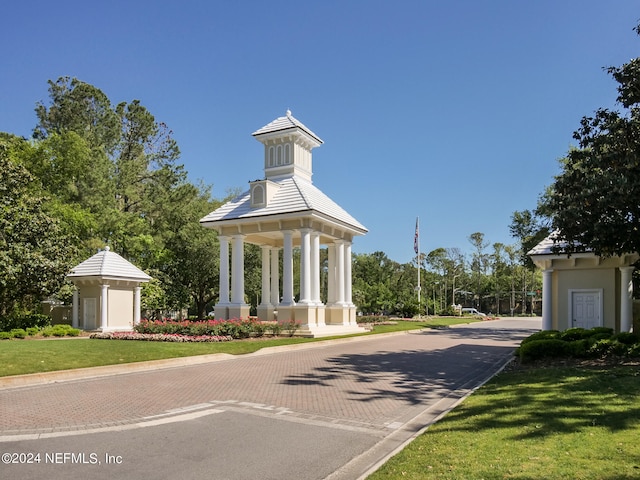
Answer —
(108, 264)
(548, 245)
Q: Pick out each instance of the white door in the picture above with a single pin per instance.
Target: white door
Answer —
(585, 308)
(89, 314)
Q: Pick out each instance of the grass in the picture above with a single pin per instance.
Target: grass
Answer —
(18, 357)
(546, 423)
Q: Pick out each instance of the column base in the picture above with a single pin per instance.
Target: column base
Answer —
(309, 316)
(341, 315)
(285, 313)
(221, 311)
(266, 313)
(238, 311)
(115, 329)
(313, 321)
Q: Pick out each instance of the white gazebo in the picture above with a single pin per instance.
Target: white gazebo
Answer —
(107, 293)
(282, 211)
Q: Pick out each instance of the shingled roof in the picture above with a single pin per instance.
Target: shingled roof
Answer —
(293, 195)
(108, 264)
(282, 124)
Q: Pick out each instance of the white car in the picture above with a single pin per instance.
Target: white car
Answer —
(472, 311)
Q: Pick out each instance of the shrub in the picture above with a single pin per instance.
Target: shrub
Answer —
(580, 348)
(601, 330)
(259, 329)
(549, 348)
(600, 347)
(236, 328)
(626, 338)
(73, 332)
(18, 333)
(60, 331)
(289, 326)
(275, 329)
(31, 331)
(574, 334)
(543, 335)
(5, 335)
(634, 350)
(24, 321)
(372, 319)
(609, 346)
(599, 336)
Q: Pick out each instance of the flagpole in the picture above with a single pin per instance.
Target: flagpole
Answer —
(416, 247)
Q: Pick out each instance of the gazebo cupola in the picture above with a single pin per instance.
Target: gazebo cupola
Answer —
(287, 148)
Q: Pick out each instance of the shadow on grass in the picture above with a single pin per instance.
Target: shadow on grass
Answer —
(544, 402)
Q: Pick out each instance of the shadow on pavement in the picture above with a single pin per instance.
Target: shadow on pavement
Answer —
(413, 376)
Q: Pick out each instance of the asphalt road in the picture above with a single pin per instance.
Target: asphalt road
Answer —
(335, 410)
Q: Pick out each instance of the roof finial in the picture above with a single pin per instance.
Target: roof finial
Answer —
(106, 249)
(288, 112)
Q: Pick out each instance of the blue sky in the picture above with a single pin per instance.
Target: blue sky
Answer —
(456, 111)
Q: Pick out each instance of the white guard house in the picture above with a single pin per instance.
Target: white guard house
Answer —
(280, 212)
(107, 293)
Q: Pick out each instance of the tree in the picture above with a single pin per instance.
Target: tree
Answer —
(529, 228)
(479, 262)
(34, 251)
(595, 201)
(63, 165)
(373, 276)
(190, 262)
(78, 107)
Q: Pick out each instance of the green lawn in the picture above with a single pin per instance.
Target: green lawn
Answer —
(19, 356)
(547, 423)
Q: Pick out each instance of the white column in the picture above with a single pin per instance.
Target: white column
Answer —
(315, 268)
(104, 310)
(626, 299)
(331, 274)
(305, 266)
(224, 270)
(237, 270)
(547, 294)
(75, 309)
(339, 272)
(287, 269)
(136, 304)
(275, 276)
(266, 275)
(347, 274)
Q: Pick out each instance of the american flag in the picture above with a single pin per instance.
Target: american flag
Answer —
(416, 246)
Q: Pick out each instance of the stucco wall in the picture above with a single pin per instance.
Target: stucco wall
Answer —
(591, 279)
(120, 307)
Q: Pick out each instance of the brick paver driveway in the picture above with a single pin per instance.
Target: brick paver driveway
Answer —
(382, 385)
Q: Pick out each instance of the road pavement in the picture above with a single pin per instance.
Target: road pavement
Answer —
(333, 410)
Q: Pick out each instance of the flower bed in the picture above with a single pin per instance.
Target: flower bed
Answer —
(161, 337)
(234, 328)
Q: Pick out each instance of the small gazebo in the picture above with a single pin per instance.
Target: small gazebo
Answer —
(107, 293)
(281, 212)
